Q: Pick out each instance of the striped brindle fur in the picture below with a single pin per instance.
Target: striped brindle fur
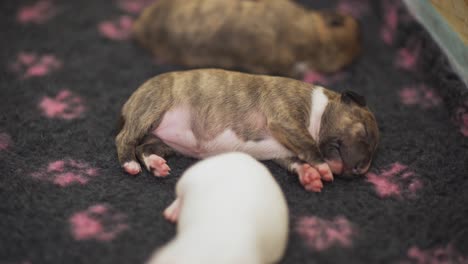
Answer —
(263, 36)
(200, 113)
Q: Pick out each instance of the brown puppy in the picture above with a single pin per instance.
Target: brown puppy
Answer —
(201, 113)
(263, 36)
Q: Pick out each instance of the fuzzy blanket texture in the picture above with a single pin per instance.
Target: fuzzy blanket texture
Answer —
(66, 69)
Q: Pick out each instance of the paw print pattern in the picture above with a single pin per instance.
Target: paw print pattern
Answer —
(390, 24)
(119, 29)
(355, 8)
(98, 222)
(29, 64)
(134, 6)
(419, 95)
(37, 13)
(461, 118)
(408, 56)
(440, 255)
(66, 172)
(322, 79)
(5, 141)
(65, 105)
(321, 234)
(395, 181)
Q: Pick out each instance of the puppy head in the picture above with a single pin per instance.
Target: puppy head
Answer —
(340, 40)
(349, 135)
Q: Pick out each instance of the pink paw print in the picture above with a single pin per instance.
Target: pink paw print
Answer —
(355, 8)
(318, 78)
(441, 255)
(64, 105)
(66, 172)
(38, 13)
(119, 29)
(390, 25)
(5, 141)
(99, 222)
(408, 56)
(320, 234)
(395, 181)
(30, 64)
(461, 118)
(420, 95)
(134, 6)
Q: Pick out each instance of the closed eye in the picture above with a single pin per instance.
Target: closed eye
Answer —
(336, 146)
(334, 143)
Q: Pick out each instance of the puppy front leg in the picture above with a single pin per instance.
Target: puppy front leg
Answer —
(309, 177)
(300, 142)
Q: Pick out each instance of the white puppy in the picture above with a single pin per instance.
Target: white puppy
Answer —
(229, 209)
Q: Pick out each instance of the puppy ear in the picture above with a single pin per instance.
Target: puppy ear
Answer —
(332, 19)
(350, 96)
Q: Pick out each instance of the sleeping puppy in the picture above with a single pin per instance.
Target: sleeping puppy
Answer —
(263, 36)
(305, 128)
(229, 209)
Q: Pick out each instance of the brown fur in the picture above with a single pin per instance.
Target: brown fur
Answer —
(353, 128)
(264, 36)
(253, 106)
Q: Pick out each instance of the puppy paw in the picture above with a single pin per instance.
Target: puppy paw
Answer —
(132, 167)
(309, 177)
(157, 165)
(171, 213)
(315, 186)
(325, 171)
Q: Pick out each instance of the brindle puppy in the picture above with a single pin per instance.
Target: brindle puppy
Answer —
(264, 36)
(307, 129)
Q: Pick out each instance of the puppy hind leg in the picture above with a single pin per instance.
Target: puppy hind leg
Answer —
(143, 110)
(126, 153)
(151, 153)
(131, 133)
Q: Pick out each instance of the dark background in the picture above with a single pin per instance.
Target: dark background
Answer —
(34, 214)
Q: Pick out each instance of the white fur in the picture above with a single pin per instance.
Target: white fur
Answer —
(319, 103)
(146, 161)
(132, 165)
(232, 211)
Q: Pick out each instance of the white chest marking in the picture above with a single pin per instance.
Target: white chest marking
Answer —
(319, 103)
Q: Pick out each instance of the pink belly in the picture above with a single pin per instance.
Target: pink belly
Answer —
(176, 132)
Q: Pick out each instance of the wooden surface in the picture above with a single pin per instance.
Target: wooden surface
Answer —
(447, 23)
(455, 12)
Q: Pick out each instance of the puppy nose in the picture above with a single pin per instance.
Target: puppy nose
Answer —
(361, 168)
(356, 171)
